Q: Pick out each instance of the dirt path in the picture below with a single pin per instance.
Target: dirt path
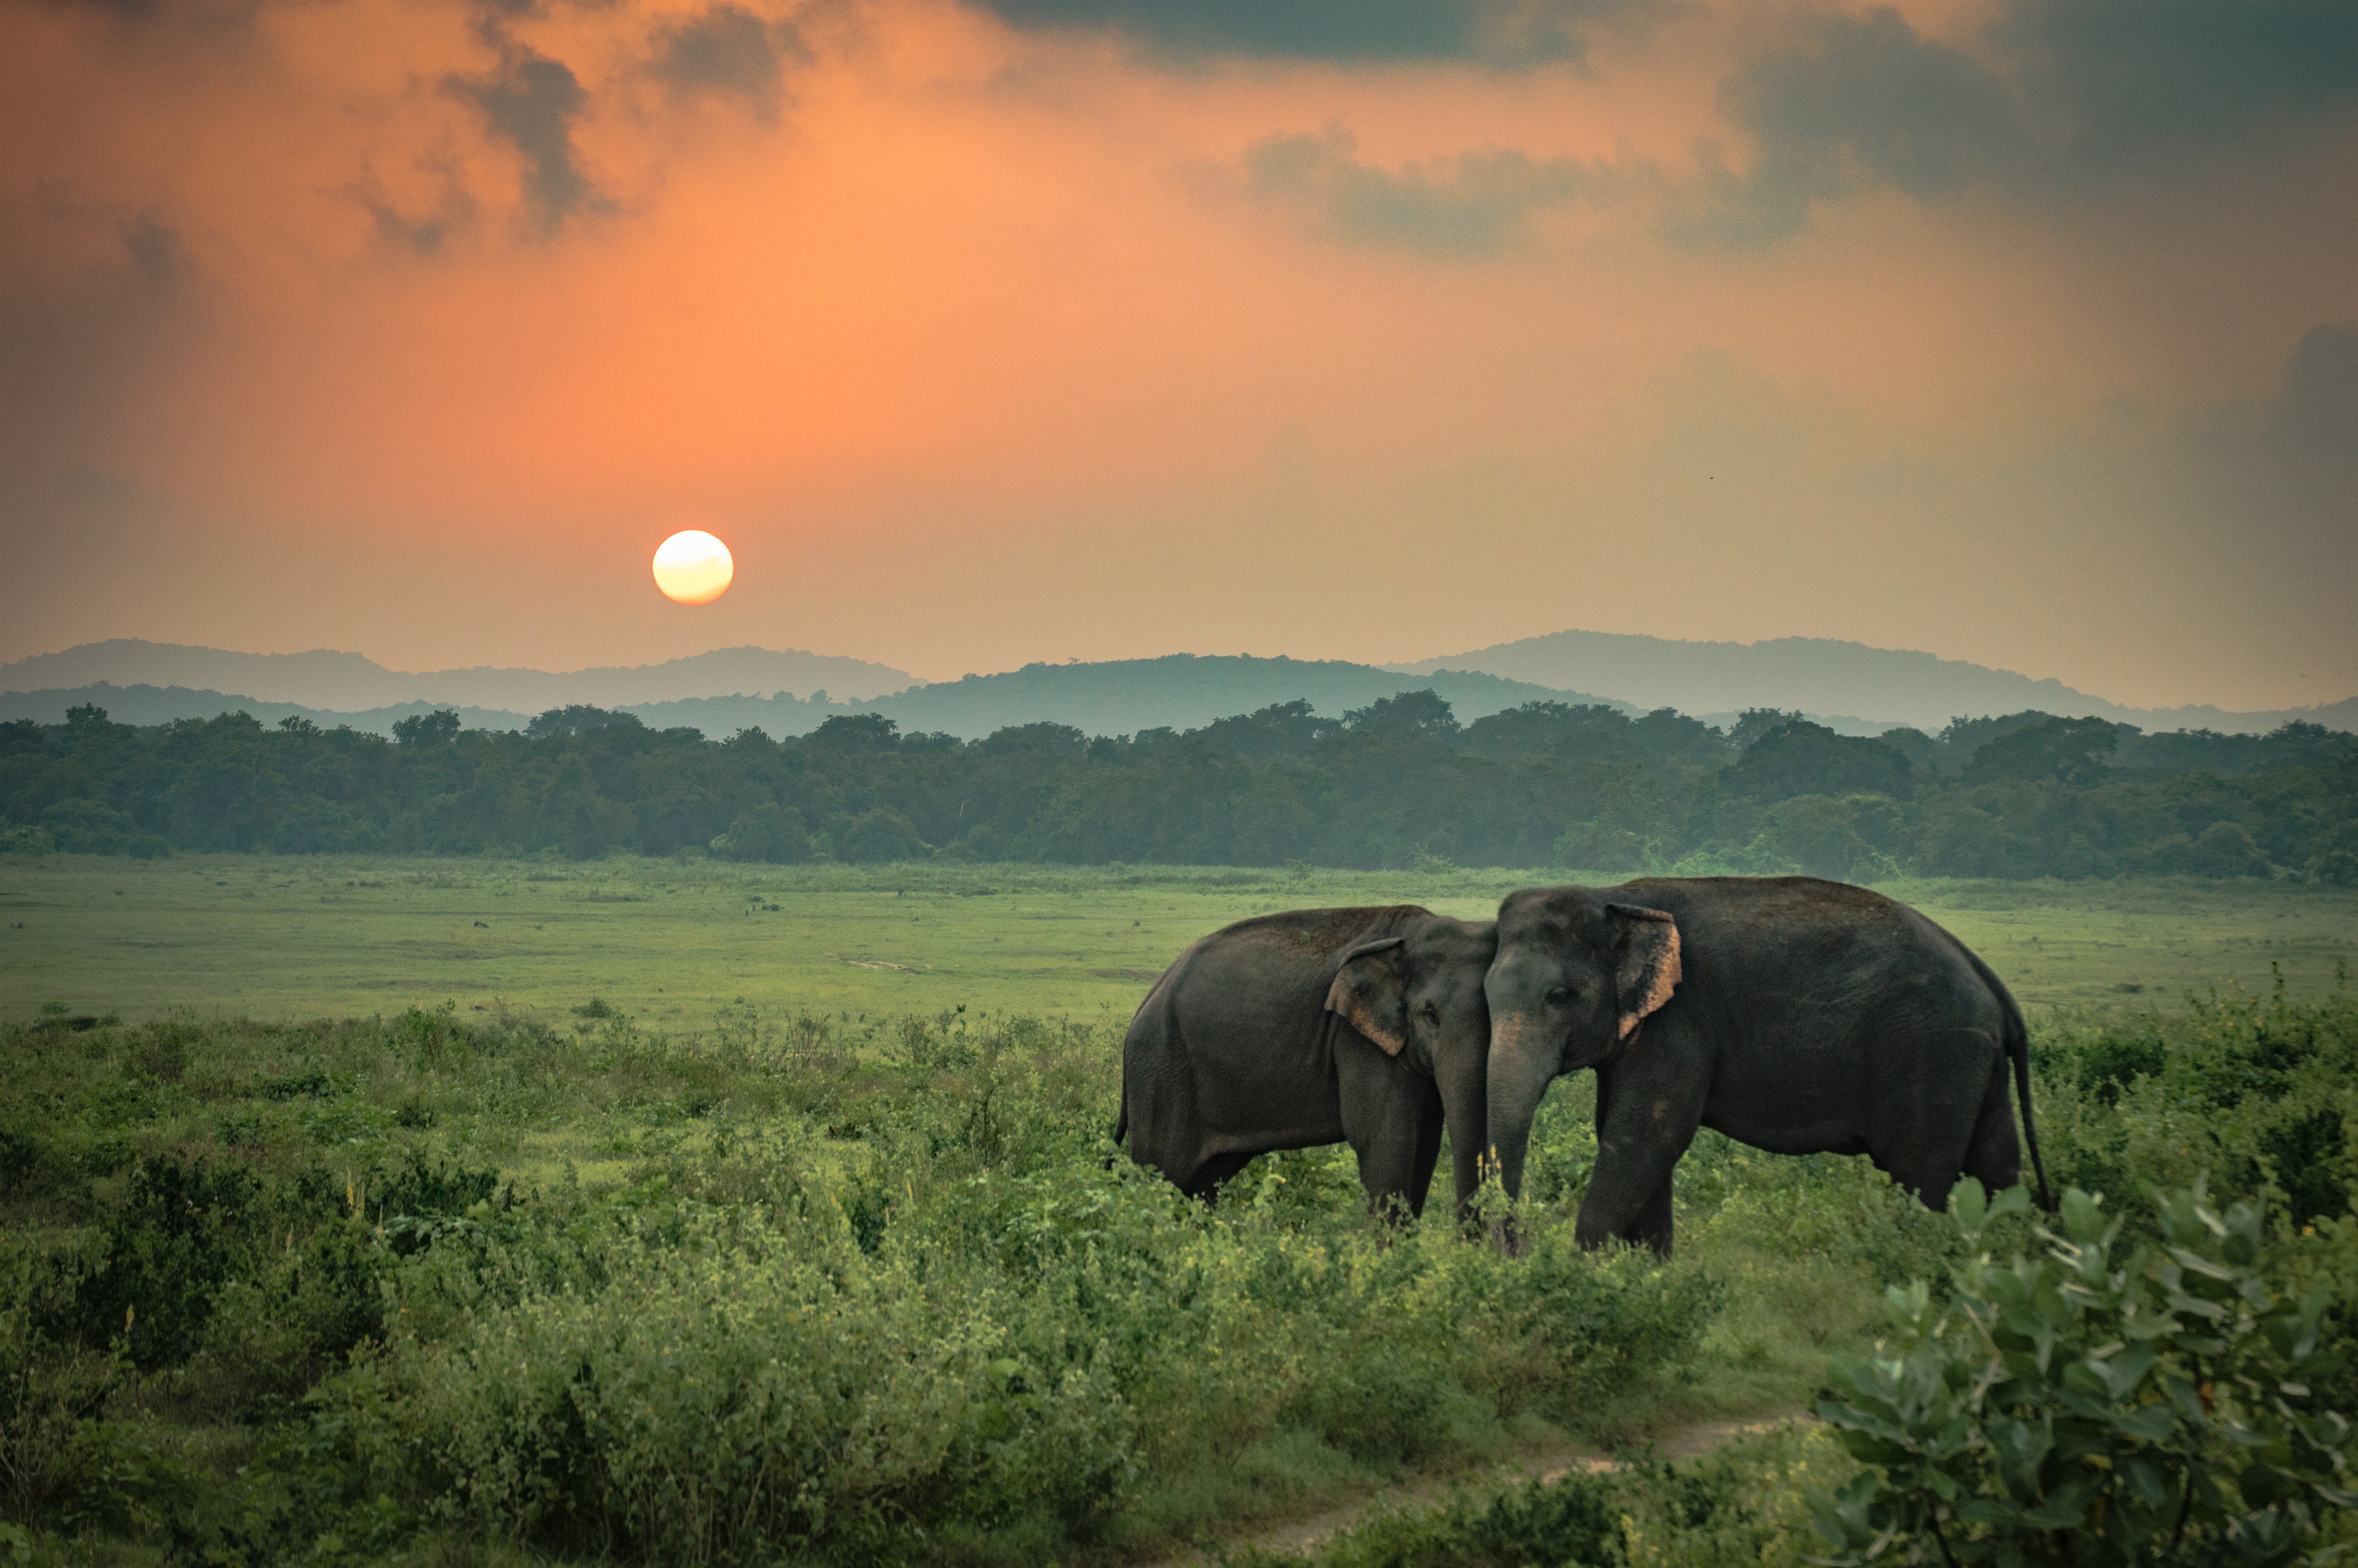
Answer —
(1543, 1465)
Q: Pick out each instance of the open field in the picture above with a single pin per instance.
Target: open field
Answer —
(668, 941)
(805, 1245)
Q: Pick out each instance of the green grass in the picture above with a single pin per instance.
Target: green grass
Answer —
(759, 1120)
(669, 941)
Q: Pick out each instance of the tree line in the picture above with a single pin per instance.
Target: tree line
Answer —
(1399, 783)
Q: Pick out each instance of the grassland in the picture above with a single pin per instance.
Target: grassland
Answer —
(859, 1113)
(669, 942)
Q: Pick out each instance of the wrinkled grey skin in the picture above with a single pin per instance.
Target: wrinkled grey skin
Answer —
(1273, 1033)
(1796, 1015)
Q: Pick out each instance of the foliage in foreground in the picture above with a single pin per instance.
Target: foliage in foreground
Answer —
(866, 1290)
(894, 1302)
(2092, 1404)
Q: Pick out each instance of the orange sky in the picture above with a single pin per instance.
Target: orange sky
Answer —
(991, 332)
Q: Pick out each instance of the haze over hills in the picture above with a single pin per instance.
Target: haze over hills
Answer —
(1878, 686)
(164, 704)
(330, 681)
(1179, 691)
(1119, 696)
(1854, 688)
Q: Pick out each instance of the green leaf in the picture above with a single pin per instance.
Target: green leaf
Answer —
(2264, 1486)
(2082, 1222)
(2147, 1424)
(2145, 1477)
(1969, 1202)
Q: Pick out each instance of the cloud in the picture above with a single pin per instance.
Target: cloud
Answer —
(2138, 83)
(1500, 34)
(531, 102)
(1864, 102)
(157, 252)
(727, 52)
(2057, 94)
(1478, 205)
(427, 233)
(2310, 444)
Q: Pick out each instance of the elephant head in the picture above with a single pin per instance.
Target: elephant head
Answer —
(1576, 974)
(1419, 996)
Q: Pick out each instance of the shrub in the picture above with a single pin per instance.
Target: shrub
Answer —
(169, 1248)
(2088, 1407)
(737, 1388)
(53, 1388)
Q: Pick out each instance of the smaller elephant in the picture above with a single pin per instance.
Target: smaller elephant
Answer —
(1316, 1026)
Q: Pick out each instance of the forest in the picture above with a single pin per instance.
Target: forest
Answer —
(1399, 783)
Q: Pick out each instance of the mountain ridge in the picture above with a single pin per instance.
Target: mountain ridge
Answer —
(1851, 687)
(1179, 691)
(1887, 686)
(332, 680)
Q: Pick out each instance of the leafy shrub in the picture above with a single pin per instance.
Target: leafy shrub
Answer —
(2087, 1407)
(736, 1388)
(53, 1386)
(169, 1248)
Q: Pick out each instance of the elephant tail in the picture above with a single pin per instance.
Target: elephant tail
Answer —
(2018, 1051)
(1121, 1122)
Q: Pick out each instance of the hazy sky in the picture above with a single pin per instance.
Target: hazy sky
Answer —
(2025, 333)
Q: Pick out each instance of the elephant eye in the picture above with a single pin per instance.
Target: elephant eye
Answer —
(1432, 1013)
(1558, 995)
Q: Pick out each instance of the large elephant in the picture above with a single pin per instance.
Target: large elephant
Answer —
(1796, 1015)
(1316, 1026)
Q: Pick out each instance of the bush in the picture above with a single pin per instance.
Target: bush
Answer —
(53, 1388)
(738, 1387)
(2087, 1407)
(169, 1248)
(770, 833)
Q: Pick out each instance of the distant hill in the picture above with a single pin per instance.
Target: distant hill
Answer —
(1880, 686)
(1856, 689)
(1122, 697)
(1185, 691)
(1119, 697)
(162, 705)
(326, 680)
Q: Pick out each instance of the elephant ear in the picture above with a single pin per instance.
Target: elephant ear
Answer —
(1646, 967)
(1370, 991)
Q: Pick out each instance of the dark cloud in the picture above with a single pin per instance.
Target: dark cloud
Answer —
(2137, 84)
(1864, 100)
(1504, 34)
(2059, 95)
(423, 234)
(531, 102)
(1478, 206)
(157, 252)
(2313, 426)
(727, 52)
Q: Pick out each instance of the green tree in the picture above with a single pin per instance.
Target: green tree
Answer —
(1803, 758)
(2074, 751)
(420, 731)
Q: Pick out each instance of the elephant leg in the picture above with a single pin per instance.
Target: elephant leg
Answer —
(1652, 1226)
(1206, 1183)
(1392, 1117)
(1648, 1110)
(1995, 1157)
(1924, 1128)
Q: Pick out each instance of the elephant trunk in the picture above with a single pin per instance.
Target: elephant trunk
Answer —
(1519, 1077)
(1465, 1112)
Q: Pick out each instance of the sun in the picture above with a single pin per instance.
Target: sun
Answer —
(693, 567)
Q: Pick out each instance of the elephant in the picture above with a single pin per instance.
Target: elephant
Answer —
(1311, 1027)
(1796, 1015)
